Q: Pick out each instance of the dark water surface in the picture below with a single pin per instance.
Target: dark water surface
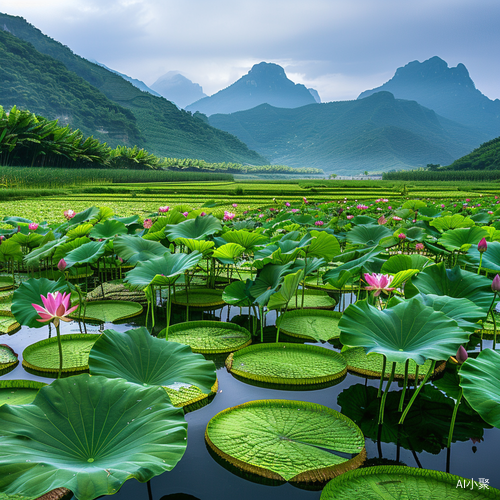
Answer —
(201, 477)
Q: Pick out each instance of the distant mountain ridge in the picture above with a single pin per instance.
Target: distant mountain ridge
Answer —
(178, 89)
(264, 83)
(450, 92)
(167, 131)
(378, 133)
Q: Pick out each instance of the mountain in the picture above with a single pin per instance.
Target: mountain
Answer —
(264, 83)
(167, 131)
(485, 157)
(134, 81)
(178, 89)
(315, 94)
(450, 92)
(378, 133)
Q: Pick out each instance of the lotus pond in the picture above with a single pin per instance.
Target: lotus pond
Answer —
(300, 350)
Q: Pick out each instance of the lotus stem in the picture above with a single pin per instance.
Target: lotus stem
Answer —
(494, 322)
(480, 262)
(416, 375)
(415, 394)
(261, 323)
(401, 401)
(60, 348)
(384, 396)
(384, 364)
(169, 302)
(454, 416)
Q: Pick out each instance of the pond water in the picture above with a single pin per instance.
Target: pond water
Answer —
(199, 476)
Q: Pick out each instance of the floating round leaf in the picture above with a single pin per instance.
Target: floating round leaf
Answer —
(282, 363)
(108, 311)
(8, 359)
(313, 299)
(205, 298)
(210, 337)
(286, 440)
(394, 481)
(43, 356)
(19, 392)
(89, 434)
(310, 324)
(142, 359)
(371, 365)
(8, 324)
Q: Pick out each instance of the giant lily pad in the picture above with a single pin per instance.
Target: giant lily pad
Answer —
(209, 337)
(409, 330)
(313, 299)
(480, 381)
(108, 311)
(393, 481)
(281, 363)
(19, 392)
(315, 324)
(110, 431)
(8, 359)
(142, 359)
(286, 440)
(8, 324)
(205, 298)
(43, 356)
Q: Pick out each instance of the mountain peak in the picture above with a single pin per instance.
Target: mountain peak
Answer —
(177, 88)
(264, 83)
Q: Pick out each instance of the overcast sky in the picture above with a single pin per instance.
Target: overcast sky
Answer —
(338, 47)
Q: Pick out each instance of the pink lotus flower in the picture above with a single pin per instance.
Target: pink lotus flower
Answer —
(382, 220)
(397, 219)
(402, 236)
(235, 205)
(419, 246)
(147, 223)
(295, 210)
(319, 223)
(228, 215)
(379, 283)
(261, 215)
(185, 214)
(69, 214)
(361, 207)
(61, 265)
(202, 214)
(56, 308)
(33, 226)
(305, 200)
(349, 217)
(287, 204)
(163, 210)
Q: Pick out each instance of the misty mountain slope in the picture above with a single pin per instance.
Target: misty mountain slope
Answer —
(178, 89)
(377, 133)
(167, 130)
(450, 92)
(264, 83)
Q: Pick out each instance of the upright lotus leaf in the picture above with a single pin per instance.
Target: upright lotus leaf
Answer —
(267, 282)
(88, 253)
(43, 252)
(339, 281)
(134, 249)
(303, 220)
(402, 277)
(368, 235)
(238, 293)
(323, 245)
(202, 246)
(442, 224)
(157, 230)
(415, 234)
(196, 229)
(409, 330)
(89, 434)
(108, 229)
(309, 266)
(14, 221)
(462, 238)
(79, 231)
(87, 215)
(481, 218)
(454, 282)
(281, 252)
(463, 311)
(403, 262)
(28, 293)
(10, 250)
(228, 253)
(62, 250)
(162, 271)
(491, 258)
(414, 204)
(142, 359)
(246, 239)
(428, 213)
(480, 381)
(133, 219)
(363, 220)
(286, 292)
(404, 213)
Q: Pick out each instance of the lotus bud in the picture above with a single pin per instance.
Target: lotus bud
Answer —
(61, 265)
(419, 246)
(495, 286)
(482, 246)
(461, 355)
(33, 226)
(402, 236)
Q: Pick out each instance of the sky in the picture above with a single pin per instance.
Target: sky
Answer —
(338, 47)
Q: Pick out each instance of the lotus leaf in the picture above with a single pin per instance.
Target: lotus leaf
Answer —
(89, 434)
(195, 229)
(62, 250)
(368, 235)
(409, 330)
(44, 251)
(287, 290)
(10, 250)
(442, 224)
(228, 253)
(480, 381)
(108, 229)
(202, 246)
(86, 215)
(402, 262)
(323, 245)
(246, 239)
(238, 293)
(79, 231)
(386, 481)
(134, 249)
(491, 258)
(142, 359)
(19, 392)
(286, 440)
(462, 238)
(88, 253)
